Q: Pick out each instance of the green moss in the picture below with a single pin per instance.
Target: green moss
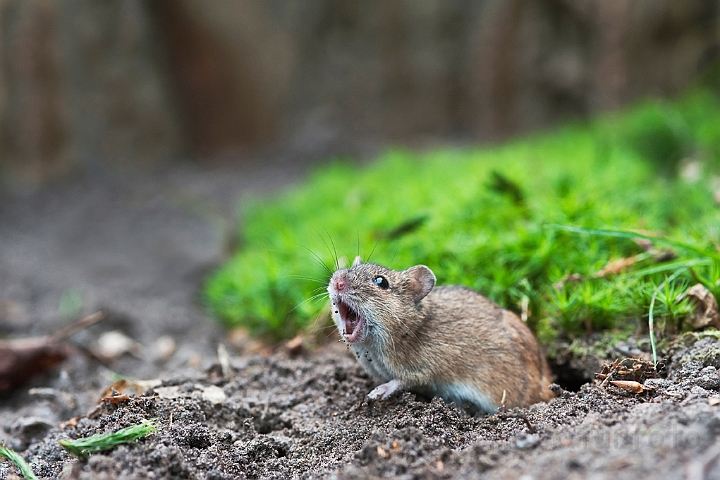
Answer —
(479, 217)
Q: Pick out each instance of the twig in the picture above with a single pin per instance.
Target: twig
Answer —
(224, 360)
(77, 326)
(504, 416)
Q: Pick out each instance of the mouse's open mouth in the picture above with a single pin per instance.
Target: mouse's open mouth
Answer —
(353, 323)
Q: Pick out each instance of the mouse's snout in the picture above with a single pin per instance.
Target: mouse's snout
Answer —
(339, 282)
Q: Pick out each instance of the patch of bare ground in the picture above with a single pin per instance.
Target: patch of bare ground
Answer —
(306, 417)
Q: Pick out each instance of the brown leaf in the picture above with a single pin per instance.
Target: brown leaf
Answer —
(615, 267)
(382, 453)
(571, 278)
(119, 386)
(706, 308)
(628, 386)
(116, 399)
(70, 423)
(24, 358)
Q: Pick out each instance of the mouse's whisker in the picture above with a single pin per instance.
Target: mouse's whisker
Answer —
(373, 250)
(318, 260)
(305, 277)
(319, 290)
(332, 251)
(307, 300)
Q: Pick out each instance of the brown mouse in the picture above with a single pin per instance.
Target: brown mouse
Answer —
(446, 341)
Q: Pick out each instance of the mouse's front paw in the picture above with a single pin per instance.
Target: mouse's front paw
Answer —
(385, 390)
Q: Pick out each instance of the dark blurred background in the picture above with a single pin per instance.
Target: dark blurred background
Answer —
(91, 85)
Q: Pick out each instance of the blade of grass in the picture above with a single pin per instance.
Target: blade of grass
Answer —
(651, 327)
(684, 264)
(651, 320)
(83, 447)
(18, 461)
(620, 233)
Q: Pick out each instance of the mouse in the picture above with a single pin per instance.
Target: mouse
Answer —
(446, 341)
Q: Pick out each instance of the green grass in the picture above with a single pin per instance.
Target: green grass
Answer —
(510, 221)
(83, 447)
(18, 461)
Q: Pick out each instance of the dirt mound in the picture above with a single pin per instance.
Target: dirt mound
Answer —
(279, 417)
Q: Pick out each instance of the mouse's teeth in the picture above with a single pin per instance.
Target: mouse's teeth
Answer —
(352, 322)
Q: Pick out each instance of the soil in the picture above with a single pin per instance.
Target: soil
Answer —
(138, 247)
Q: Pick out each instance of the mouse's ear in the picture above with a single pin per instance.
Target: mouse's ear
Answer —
(357, 261)
(422, 280)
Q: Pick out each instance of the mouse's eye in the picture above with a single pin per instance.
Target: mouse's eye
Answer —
(381, 282)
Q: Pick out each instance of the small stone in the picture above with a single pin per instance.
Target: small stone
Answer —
(296, 346)
(26, 429)
(58, 397)
(706, 314)
(168, 392)
(195, 361)
(214, 395)
(114, 344)
(164, 348)
(527, 441)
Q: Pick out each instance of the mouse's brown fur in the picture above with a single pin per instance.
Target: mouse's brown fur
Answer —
(446, 341)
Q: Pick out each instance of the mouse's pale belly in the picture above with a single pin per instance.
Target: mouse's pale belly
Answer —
(458, 392)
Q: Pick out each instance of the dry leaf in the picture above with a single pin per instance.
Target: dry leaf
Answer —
(617, 266)
(628, 386)
(571, 278)
(628, 369)
(713, 401)
(706, 313)
(382, 453)
(23, 358)
(139, 386)
(70, 423)
(395, 446)
(116, 399)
